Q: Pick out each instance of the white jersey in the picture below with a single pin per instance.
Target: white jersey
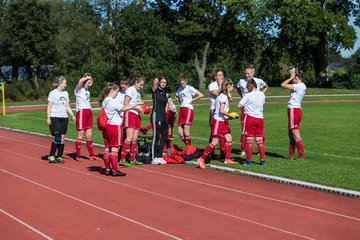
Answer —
(242, 85)
(120, 97)
(113, 110)
(221, 99)
(185, 95)
(82, 99)
(253, 103)
(135, 97)
(60, 102)
(296, 95)
(212, 86)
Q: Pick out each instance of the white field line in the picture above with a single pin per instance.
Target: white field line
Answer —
(198, 182)
(26, 225)
(152, 193)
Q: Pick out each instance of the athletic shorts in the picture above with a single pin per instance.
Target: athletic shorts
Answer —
(219, 128)
(211, 115)
(84, 119)
(132, 120)
(113, 136)
(58, 125)
(170, 118)
(253, 127)
(294, 118)
(186, 116)
(242, 115)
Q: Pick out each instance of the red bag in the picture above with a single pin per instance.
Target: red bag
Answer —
(102, 120)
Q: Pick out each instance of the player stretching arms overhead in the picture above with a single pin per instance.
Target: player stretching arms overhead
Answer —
(185, 95)
(84, 117)
(242, 90)
(297, 93)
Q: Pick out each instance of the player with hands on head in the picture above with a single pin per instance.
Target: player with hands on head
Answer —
(220, 124)
(253, 104)
(84, 116)
(58, 109)
(297, 92)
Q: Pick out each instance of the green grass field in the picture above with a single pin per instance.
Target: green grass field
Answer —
(330, 132)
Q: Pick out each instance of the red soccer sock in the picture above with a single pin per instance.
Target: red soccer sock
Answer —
(261, 147)
(78, 147)
(300, 147)
(149, 126)
(208, 149)
(133, 150)
(228, 147)
(89, 145)
(249, 149)
(125, 149)
(292, 145)
(114, 160)
(243, 142)
(107, 159)
(222, 144)
(188, 140)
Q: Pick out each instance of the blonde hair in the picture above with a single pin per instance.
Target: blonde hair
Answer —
(225, 86)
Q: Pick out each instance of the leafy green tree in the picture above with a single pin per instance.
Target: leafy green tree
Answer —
(304, 30)
(28, 37)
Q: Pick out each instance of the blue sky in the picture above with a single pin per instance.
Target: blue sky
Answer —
(348, 53)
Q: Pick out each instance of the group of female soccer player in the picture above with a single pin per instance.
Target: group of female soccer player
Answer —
(122, 106)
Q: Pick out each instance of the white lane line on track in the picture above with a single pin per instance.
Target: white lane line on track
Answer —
(159, 195)
(91, 205)
(217, 186)
(26, 225)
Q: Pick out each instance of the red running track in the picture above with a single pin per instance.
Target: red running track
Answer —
(75, 201)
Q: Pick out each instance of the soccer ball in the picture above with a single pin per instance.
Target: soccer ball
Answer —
(146, 108)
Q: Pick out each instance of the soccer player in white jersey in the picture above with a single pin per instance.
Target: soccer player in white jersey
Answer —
(297, 93)
(84, 117)
(132, 122)
(57, 118)
(242, 90)
(113, 133)
(185, 94)
(220, 124)
(253, 104)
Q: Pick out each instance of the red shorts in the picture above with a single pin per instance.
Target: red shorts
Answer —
(211, 115)
(113, 136)
(219, 128)
(84, 119)
(170, 118)
(132, 120)
(186, 116)
(242, 115)
(253, 126)
(294, 118)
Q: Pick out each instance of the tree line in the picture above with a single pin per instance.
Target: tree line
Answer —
(116, 39)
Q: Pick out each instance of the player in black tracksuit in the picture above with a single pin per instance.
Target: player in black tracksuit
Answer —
(161, 100)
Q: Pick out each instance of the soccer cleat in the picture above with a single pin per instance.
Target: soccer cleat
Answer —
(290, 158)
(107, 172)
(51, 159)
(117, 174)
(136, 162)
(230, 161)
(201, 163)
(262, 162)
(300, 158)
(243, 154)
(162, 161)
(124, 163)
(79, 159)
(155, 161)
(60, 160)
(247, 164)
(94, 158)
